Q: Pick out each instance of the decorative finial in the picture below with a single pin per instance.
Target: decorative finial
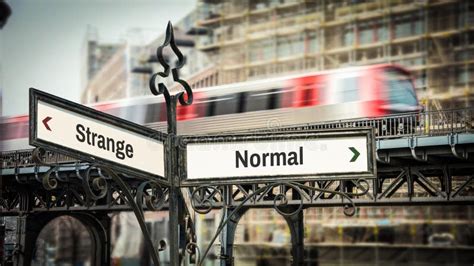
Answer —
(162, 89)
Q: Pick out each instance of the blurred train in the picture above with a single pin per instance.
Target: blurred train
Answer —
(358, 92)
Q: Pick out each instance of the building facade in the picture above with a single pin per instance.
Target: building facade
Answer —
(432, 38)
(110, 81)
(127, 71)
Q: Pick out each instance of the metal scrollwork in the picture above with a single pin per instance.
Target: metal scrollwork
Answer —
(349, 209)
(203, 201)
(48, 181)
(152, 193)
(17, 177)
(361, 184)
(281, 200)
(95, 186)
(37, 156)
(193, 250)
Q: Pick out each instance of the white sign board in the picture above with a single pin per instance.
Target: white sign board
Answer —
(74, 133)
(308, 156)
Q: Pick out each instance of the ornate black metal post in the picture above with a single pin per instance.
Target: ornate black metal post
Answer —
(296, 225)
(171, 173)
(228, 236)
(27, 231)
(228, 232)
(176, 204)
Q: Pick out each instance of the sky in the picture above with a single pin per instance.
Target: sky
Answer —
(41, 45)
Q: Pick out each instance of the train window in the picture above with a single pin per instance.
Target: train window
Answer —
(256, 101)
(14, 130)
(307, 90)
(242, 102)
(200, 107)
(211, 107)
(307, 95)
(153, 113)
(8, 130)
(113, 111)
(348, 88)
(227, 104)
(3, 131)
(274, 100)
(263, 100)
(400, 88)
(135, 113)
(286, 97)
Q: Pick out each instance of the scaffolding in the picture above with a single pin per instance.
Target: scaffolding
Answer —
(258, 39)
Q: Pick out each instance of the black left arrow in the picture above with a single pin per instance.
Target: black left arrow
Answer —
(356, 154)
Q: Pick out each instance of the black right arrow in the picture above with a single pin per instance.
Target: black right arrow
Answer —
(356, 154)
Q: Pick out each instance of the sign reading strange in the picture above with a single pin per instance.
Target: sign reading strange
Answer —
(93, 136)
(281, 156)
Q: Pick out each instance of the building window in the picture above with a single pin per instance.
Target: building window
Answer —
(420, 81)
(465, 76)
(348, 37)
(403, 30)
(262, 51)
(371, 31)
(366, 36)
(469, 15)
(408, 25)
(289, 46)
(313, 44)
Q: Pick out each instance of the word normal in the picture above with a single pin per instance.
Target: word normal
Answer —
(268, 158)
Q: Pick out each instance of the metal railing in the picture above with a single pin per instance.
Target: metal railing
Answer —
(433, 123)
(23, 158)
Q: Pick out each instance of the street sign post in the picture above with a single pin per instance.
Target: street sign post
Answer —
(278, 156)
(81, 132)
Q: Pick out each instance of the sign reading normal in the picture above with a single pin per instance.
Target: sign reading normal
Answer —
(288, 155)
(78, 130)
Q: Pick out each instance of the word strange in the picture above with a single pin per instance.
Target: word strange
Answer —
(268, 159)
(106, 143)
